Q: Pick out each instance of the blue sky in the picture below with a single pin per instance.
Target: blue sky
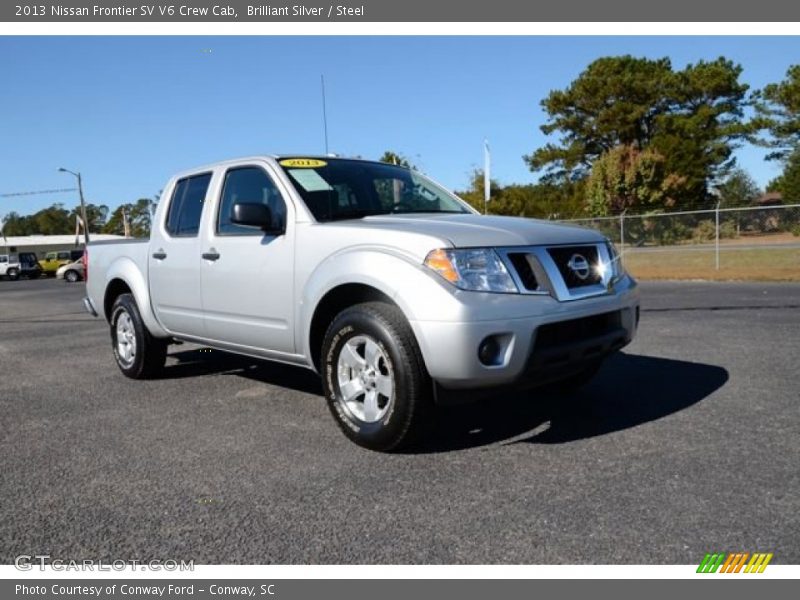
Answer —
(129, 111)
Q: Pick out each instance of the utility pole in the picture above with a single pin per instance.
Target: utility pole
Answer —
(487, 178)
(83, 203)
(716, 233)
(324, 113)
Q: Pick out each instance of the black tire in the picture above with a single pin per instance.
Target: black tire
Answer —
(408, 413)
(34, 274)
(71, 276)
(13, 274)
(150, 353)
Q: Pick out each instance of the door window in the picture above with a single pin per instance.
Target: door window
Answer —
(186, 206)
(249, 185)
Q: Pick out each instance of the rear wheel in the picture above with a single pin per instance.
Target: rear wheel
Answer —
(71, 276)
(13, 274)
(374, 377)
(139, 355)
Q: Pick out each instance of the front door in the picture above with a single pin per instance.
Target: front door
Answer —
(247, 276)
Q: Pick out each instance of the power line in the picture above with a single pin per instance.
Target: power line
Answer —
(38, 192)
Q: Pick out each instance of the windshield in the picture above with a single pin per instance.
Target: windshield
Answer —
(335, 189)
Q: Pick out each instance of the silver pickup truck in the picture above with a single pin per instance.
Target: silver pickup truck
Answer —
(395, 291)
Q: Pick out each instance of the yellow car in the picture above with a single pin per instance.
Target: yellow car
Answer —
(53, 260)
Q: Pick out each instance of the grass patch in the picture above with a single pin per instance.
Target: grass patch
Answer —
(764, 264)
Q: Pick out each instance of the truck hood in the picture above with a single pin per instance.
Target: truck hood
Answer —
(470, 230)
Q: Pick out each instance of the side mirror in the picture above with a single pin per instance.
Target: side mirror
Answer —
(252, 214)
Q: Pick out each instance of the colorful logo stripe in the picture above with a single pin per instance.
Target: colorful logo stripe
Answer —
(734, 561)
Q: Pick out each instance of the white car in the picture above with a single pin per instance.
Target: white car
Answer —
(71, 272)
(9, 267)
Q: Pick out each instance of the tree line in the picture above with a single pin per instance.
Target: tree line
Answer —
(628, 134)
(56, 219)
(634, 134)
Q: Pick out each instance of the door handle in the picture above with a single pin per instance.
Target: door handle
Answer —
(159, 254)
(211, 255)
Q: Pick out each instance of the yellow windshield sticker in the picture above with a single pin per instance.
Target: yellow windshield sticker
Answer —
(303, 163)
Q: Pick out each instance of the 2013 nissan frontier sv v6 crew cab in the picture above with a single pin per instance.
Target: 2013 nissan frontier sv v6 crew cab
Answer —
(395, 291)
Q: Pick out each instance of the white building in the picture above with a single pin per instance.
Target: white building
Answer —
(42, 244)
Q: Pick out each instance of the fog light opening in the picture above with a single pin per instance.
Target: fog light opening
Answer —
(491, 351)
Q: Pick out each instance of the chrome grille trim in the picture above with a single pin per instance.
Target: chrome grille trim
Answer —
(549, 278)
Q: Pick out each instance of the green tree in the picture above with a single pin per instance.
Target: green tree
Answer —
(139, 215)
(542, 200)
(474, 193)
(95, 214)
(778, 110)
(738, 189)
(693, 118)
(53, 220)
(16, 224)
(393, 158)
(788, 183)
(626, 178)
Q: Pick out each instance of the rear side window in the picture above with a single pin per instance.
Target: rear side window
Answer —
(63, 256)
(251, 185)
(186, 206)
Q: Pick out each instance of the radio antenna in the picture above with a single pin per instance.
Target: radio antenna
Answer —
(324, 113)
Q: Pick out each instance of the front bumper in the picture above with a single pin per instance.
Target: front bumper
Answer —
(89, 306)
(592, 328)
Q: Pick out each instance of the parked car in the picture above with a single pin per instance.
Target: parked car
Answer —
(29, 265)
(52, 261)
(395, 291)
(71, 272)
(9, 267)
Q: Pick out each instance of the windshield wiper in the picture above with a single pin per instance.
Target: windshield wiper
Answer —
(429, 210)
(343, 215)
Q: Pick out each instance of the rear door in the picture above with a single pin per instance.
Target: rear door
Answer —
(247, 275)
(174, 260)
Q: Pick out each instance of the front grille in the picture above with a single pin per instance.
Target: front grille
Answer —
(563, 255)
(523, 268)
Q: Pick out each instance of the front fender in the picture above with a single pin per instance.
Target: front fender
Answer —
(399, 276)
(127, 270)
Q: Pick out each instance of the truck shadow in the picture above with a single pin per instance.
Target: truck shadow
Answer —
(628, 391)
(199, 362)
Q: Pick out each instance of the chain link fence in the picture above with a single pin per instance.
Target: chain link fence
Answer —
(759, 242)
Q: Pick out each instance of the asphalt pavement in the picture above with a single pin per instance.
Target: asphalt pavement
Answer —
(687, 442)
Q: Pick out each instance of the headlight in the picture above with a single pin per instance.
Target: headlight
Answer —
(475, 269)
(617, 271)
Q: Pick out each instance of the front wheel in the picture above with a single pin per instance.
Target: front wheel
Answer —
(71, 276)
(13, 274)
(139, 355)
(374, 377)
